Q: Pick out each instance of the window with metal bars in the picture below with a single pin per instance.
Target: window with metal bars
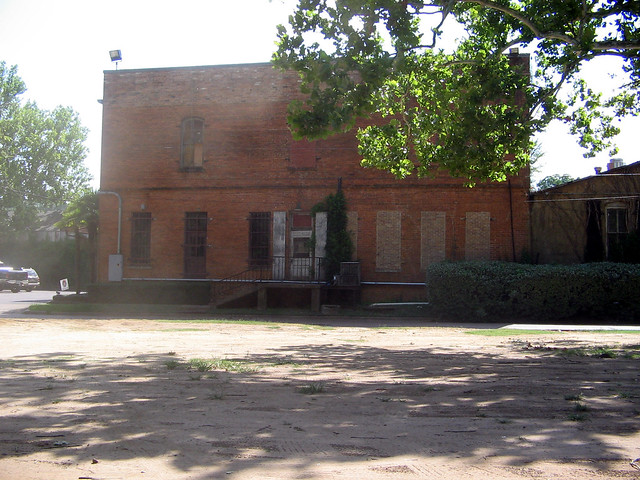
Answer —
(140, 238)
(259, 238)
(195, 244)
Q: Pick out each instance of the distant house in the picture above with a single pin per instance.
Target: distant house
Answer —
(210, 186)
(45, 227)
(591, 219)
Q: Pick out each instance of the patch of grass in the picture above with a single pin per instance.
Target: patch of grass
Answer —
(593, 352)
(574, 397)
(205, 365)
(578, 417)
(172, 364)
(183, 330)
(581, 407)
(579, 413)
(312, 388)
(217, 395)
(219, 321)
(201, 364)
(317, 327)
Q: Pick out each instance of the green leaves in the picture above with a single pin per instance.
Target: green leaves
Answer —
(41, 154)
(470, 112)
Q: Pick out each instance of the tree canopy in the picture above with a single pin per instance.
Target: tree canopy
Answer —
(470, 108)
(554, 181)
(41, 154)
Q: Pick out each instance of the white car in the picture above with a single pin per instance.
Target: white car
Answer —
(33, 280)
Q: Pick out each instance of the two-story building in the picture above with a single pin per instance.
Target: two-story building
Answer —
(208, 183)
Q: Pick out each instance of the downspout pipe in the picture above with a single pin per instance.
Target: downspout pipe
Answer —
(104, 192)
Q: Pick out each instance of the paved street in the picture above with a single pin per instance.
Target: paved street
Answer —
(15, 302)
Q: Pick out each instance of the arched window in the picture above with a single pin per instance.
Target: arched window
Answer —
(192, 150)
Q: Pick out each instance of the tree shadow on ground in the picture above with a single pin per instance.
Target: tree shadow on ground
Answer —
(307, 404)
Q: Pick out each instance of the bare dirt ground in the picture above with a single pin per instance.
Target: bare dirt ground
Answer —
(135, 399)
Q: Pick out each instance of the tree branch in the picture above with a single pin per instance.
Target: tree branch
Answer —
(525, 21)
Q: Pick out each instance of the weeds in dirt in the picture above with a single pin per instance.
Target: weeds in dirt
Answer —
(217, 395)
(580, 410)
(578, 417)
(312, 388)
(281, 361)
(628, 352)
(205, 365)
(172, 364)
(581, 407)
(624, 395)
(597, 352)
(574, 397)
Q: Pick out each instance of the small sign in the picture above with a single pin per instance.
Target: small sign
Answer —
(64, 284)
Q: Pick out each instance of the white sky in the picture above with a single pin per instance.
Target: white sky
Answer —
(62, 47)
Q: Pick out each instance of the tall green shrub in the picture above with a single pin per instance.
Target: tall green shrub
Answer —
(339, 247)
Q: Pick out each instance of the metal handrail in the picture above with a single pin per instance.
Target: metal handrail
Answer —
(271, 269)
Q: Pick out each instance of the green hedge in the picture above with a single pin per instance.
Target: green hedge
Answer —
(478, 290)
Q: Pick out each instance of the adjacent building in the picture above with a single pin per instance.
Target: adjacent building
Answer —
(591, 219)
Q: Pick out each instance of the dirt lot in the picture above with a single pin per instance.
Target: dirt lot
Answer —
(135, 399)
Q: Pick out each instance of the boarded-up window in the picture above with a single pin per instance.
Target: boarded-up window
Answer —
(302, 155)
(192, 151)
(388, 243)
(478, 236)
(432, 247)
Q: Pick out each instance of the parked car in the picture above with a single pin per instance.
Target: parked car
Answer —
(13, 279)
(33, 280)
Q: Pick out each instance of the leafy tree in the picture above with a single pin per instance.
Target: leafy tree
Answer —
(471, 110)
(82, 214)
(554, 181)
(41, 154)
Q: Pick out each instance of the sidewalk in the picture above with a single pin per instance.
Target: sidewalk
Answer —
(573, 328)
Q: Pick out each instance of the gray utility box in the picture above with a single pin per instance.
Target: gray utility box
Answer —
(115, 268)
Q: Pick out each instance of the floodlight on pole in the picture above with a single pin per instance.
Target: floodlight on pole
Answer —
(116, 56)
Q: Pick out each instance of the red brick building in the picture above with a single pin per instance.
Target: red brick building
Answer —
(212, 184)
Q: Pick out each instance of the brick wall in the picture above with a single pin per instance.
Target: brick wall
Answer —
(248, 168)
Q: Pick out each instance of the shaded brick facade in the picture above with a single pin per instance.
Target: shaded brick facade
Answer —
(209, 148)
